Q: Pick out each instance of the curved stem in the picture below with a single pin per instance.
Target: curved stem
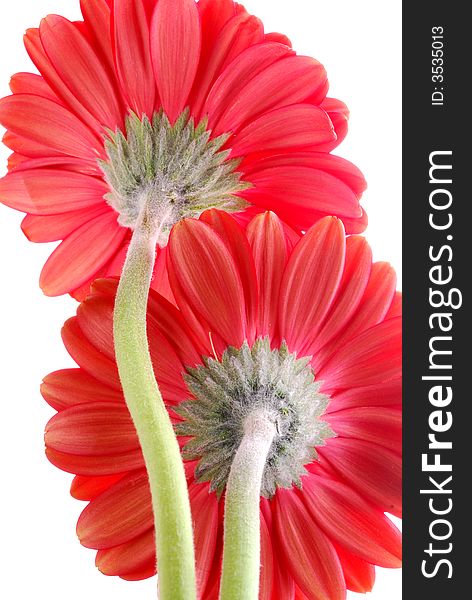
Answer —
(172, 516)
(242, 545)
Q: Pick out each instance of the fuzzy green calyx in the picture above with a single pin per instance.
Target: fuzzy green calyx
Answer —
(247, 381)
(169, 171)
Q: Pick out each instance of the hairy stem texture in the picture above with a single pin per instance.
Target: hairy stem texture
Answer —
(172, 516)
(242, 546)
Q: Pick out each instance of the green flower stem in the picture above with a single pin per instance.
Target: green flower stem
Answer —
(172, 516)
(242, 545)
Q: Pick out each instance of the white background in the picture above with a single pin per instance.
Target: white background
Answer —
(359, 42)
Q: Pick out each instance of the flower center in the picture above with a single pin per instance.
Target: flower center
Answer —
(245, 382)
(169, 171)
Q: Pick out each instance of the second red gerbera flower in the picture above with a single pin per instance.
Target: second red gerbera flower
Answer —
(310, 328)
(266, 130)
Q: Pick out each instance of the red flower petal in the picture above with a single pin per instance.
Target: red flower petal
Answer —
(267, 562)
(53, 125)
(371, 311)
(372, 357)
(30, 83)
(210, 280)
(212, 591)
(301, 193)
(237, 243)
(289, 127)
(167, 366)
(310, 282)
(231, 82)
(105, 287)
(340, 124)
(120, 514)
(115, 266)
(350, 521)
(335, 166)
(160, 277)
(66, 163)
(38, 55)
(97, 17)
(27, 149)
(173, 326)
(51, 228)
(284, 585)
(395, 309)
(95, 319)
(149, 570)
(356, 275)
(205, 518)
(374, 471)
(280, 38)
(96, 466)
(359, 575)
(378, 296)
(84, 252)
(214, 14)
(266, 236)
(81, 70)
(335, 106)
(129, 557)
(70, 387)
(50, 191)
(378, 425)
(149, 6)
(88, 357)
(92, 429)
(388, 393)
(15, 160)
(133, 56)
(83, 290)
(238, 34)
(88, 488)
(339, 115)
(312, 560)
(176, 40)
(288, 81)
(203, 334)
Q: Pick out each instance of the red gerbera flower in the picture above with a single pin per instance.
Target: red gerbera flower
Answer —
(310, 325)
(134, 66)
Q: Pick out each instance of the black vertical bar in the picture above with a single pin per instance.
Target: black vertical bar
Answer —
(437, 117)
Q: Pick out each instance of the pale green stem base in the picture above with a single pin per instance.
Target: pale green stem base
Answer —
(242, 546)
(173, 522)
